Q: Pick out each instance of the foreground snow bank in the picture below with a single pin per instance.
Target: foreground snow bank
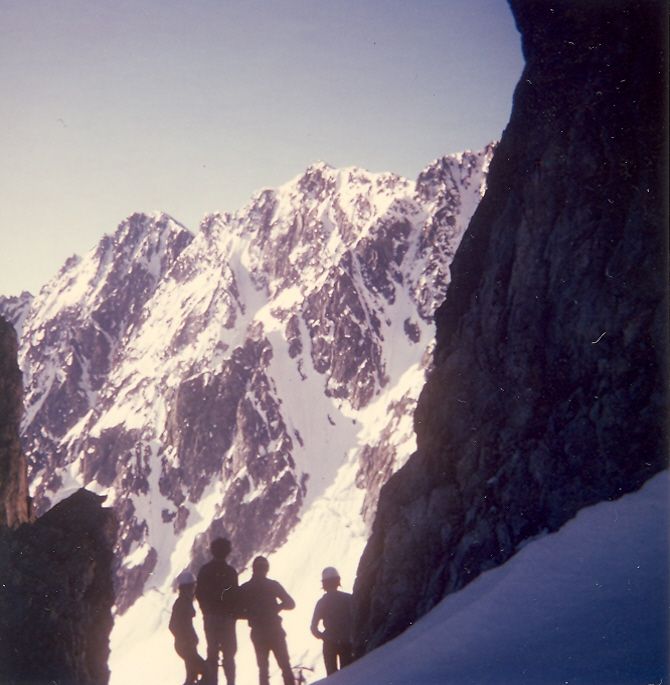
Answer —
(585, 605)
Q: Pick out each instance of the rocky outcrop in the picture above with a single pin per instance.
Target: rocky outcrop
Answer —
(230, 426)
(13, 477)
(550, 376)
(56, 593)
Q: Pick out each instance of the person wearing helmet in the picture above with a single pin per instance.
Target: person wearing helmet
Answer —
(334, 610)
(260, 602)
(216, 592)
(181, 626)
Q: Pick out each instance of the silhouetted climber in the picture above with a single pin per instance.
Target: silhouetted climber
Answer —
(216, 591)
(261, 600)
(334, 609)
(181, 626)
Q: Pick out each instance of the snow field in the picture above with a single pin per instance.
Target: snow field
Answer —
(586, 605)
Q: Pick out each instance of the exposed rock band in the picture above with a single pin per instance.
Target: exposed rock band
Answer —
(260, 600)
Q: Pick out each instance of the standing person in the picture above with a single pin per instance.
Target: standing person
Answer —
(261, 600)
(181, 626)
(334, 609)
(216, 592)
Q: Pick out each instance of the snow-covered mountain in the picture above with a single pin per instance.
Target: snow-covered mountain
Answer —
(239, 380)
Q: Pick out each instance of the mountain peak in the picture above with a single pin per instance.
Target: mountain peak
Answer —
(319, 165)
(141, 226)
(448, 173)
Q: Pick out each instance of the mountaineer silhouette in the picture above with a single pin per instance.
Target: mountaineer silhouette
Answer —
(260, 601)
(334, 610)
(216, 591)
(181, 626)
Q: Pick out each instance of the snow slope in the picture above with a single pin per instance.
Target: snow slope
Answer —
(587, 605)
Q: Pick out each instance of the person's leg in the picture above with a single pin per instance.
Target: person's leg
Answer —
(188, 674)
(229, 648)
(203, 669)
(212, 632)
(262, 649)
(186, 653)
(280, 650)
(344, 652)
(194, 666)
(330, 657)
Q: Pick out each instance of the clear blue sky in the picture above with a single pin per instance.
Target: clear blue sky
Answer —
(189, 107)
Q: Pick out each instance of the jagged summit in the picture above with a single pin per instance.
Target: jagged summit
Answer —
(140, 251)
(452, 170)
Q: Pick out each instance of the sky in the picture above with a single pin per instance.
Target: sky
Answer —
(120, 106)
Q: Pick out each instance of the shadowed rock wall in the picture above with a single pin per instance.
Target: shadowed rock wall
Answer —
(57, 594)
(550, 377)
(56, 589)
(13, 476)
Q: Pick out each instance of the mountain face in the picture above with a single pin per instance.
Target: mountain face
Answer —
(548, 391)
(57, 593)
(215, 384)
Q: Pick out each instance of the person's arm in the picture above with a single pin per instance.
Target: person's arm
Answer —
(181, 623)
(316, 617)
(285, 600)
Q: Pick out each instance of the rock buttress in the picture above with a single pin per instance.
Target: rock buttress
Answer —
(550, 376)
(57, 594)
(13, 477)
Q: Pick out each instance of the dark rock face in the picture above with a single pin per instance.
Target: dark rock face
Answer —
(57, 594)
(15, 309)
(229, 426)
(550, 376)
(338, 312)
(13, 478)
